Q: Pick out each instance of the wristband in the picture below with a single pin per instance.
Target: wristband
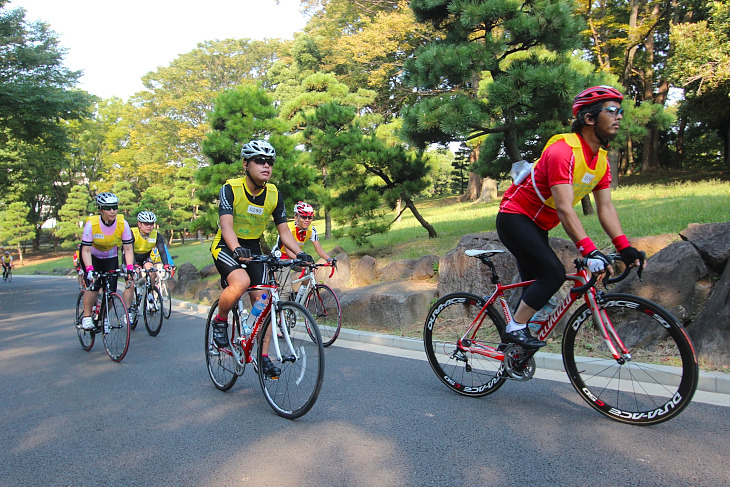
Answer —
(89, 268)
(130, 268)
(621, 242)
(585, 246)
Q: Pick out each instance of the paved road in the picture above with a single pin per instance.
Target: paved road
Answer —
(70, 417)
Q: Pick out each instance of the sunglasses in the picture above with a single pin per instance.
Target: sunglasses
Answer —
(615, 111)
(263, 160)
(305, 217)
(108, 208)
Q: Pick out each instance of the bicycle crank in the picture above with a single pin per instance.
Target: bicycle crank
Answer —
(519, 364)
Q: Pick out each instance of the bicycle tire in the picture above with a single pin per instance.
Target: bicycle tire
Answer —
(166, 300)
(10, 276)
(655, 384)
(86, 337)
(220, 363)
(296, 390)
(324, 306)
(461, 370)
(153, 313)
(116, 337)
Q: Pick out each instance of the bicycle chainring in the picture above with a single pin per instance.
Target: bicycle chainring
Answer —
(518, 363)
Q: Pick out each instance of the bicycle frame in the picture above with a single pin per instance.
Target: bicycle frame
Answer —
(600, 318)
(244, 346)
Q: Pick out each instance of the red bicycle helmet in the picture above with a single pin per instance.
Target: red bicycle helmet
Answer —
(594, 94)
(303, 209)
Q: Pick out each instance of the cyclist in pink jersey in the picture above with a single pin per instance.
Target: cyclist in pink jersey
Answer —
(103, 234)
(571, 166)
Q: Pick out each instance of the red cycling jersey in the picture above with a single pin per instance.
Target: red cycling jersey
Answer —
(556, 166)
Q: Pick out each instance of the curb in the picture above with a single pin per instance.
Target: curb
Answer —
(717, 382)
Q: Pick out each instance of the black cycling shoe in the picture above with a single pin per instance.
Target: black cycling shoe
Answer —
(270, 370)
(522, 337)
(220, 333)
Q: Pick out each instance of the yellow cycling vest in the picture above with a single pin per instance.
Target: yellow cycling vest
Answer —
(142, 245)
(155, 256)
(584, 178)
(103, 242)
(295, 234)
(249, 220)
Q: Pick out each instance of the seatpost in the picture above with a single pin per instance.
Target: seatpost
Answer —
(495, 277)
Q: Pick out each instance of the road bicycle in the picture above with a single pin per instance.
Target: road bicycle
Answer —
(8, 275)
(295, 346)
(320, 300)
(110, 319)
(164, 291)
(147, 301)
(628, 357)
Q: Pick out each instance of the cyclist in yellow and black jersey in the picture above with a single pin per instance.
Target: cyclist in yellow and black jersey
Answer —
(7, 261)
(246, 205)
(146, 239)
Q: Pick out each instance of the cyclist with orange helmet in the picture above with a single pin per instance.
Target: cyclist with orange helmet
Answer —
(571, 166)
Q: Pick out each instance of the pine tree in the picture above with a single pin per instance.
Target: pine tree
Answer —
(73, 214)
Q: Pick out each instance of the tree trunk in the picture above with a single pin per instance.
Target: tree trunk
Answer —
(585, 202)
(20, 253)
(327, 223)
(614, 156)
(473, 189)
(431, 231)
(397, 210)
(200, 236)
(489, 191)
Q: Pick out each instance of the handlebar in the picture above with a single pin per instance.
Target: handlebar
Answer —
(332, 264)
(581, 264)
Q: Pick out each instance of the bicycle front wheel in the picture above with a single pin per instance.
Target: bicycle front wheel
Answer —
(86, 337)
(153, 311)
(323, 305)
(134, 315)
(166, 300)
(115, 328)
(654, 382)
(302, 367)
(459, 359)
(220, 361)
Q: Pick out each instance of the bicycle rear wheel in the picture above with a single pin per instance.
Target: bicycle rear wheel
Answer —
(457, 364)
(220, 362)
(323, 305)
(654, 384)
(10, 275)
(134, 315)
(153, 311)
(166, 300)
(115, 328)
(296, 390)
(86, 337)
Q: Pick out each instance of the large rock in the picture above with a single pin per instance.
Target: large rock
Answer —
(459, 272)
(364, 271)
(398, 307)
(341, 278)
(710, 330)
(712, 241)
(209, 270)
(422, 268)
(187, 272)
(676, 278)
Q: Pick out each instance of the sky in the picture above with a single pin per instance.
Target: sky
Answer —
(115, 42)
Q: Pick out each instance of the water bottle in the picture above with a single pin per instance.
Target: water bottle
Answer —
(520, 170)
(543, 314)
(258, 308)
(97, 307)
(300, 293)
(244, 320)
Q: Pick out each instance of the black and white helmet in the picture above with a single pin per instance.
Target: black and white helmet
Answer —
(146, 217)
(257, 148)
(107, 199)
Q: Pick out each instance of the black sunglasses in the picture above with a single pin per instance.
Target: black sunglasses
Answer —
(108, 208)
(263, 160)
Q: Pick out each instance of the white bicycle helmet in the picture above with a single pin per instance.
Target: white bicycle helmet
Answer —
(146, 217)
(106, 199)
(303, 209)
(257, 148)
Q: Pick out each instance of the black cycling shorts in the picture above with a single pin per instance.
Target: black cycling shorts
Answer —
(110, 264)
(227, 263)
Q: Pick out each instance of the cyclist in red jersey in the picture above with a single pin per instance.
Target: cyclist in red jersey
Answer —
(571, 166)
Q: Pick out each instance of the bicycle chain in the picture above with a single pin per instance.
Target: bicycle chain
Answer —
(519, 364)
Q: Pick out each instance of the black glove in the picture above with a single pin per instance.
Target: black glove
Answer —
(596, 261)
(242, 253)
(305, 257)
(630, 255)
